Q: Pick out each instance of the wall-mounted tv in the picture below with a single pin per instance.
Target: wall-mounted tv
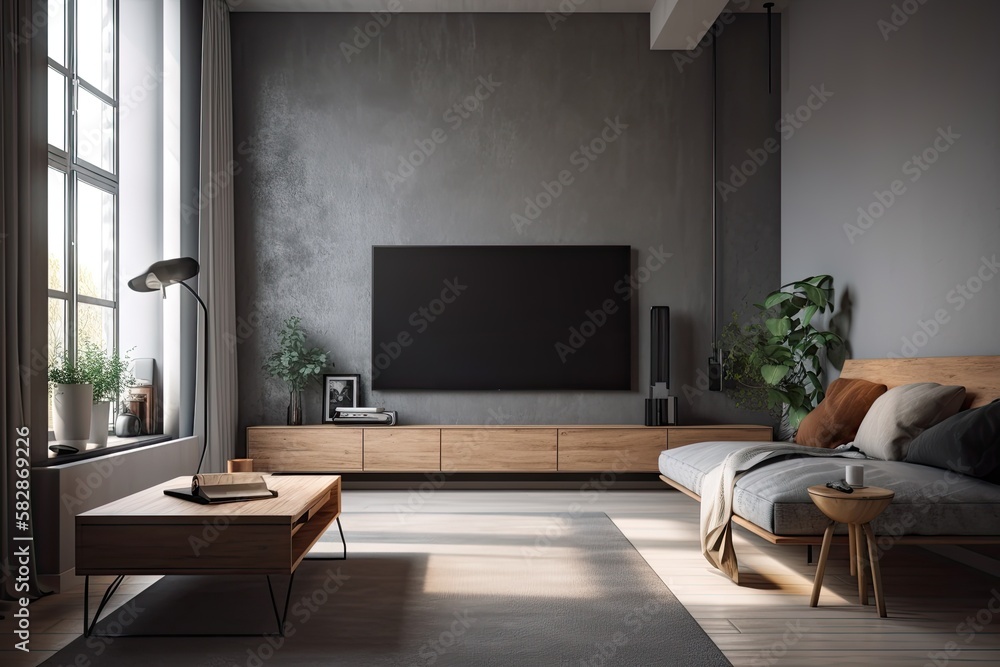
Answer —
(501, 317)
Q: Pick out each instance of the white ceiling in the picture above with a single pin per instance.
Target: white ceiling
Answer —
(674, 24)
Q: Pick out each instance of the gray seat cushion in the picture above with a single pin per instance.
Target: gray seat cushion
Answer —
(929, 501)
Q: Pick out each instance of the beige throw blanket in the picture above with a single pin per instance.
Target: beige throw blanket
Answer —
(717, 496)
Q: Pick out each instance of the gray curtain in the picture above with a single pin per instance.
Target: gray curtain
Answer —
(217, 280)
(18, 151)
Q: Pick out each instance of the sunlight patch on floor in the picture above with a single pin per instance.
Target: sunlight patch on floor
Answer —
(562, 577)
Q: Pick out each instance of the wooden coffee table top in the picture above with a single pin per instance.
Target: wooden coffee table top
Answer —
(296, 495)
(859, 507)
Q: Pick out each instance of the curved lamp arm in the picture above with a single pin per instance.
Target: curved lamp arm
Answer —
(158, 277)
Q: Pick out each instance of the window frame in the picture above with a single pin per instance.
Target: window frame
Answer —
(76, 170)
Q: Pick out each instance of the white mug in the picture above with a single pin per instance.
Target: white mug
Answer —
(855, 475)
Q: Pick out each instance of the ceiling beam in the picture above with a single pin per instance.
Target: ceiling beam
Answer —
(680, 24)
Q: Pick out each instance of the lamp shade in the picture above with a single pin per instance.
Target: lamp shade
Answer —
(163, 273)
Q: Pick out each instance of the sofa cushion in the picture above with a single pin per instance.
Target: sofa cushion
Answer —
(929, 501)
(968, 442)
(901, 414)
(836, 419)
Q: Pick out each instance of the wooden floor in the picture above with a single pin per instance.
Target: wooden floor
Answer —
(767, 621)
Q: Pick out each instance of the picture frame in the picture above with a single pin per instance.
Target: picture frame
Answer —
(340, 390)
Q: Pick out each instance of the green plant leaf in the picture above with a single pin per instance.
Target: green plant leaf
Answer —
(807, 315)
(779, 327)
(796, 415)
(816, 295)
(773, 374)
(775, 298)
(776, 397)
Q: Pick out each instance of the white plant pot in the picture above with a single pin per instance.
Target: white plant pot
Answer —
(99, 423)
(72, 405)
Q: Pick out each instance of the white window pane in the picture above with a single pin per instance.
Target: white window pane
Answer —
(57, 335)
(96, 325)
(95, 43)
(57, 109)
(57, 230)
(95, 140)
(95, 245)
(57, 31)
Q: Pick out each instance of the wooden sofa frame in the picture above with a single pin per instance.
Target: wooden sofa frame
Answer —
(979, 375)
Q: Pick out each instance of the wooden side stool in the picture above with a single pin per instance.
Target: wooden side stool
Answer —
(857, 510)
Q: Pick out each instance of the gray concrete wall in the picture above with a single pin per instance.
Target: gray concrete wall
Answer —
(911, 136)
(318, 125)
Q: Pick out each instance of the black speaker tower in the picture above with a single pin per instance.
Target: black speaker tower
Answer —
(661, 407)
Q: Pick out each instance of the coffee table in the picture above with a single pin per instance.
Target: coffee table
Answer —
(150, 533)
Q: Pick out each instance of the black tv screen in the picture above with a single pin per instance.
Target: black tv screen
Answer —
(501, 317)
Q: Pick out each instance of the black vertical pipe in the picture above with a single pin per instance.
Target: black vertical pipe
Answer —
(768, 6)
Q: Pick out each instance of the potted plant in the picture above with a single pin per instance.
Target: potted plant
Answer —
(790, 354)
(296, 364)
(770, 369)
(741, 364)
(72, 397)
(109, 375)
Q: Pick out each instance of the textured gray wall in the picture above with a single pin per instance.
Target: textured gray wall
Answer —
(898, 80)
(321, 132)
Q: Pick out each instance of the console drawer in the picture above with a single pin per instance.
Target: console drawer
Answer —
(305, 449)
(498, 449)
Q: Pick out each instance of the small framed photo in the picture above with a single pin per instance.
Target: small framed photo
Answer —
(339, 391)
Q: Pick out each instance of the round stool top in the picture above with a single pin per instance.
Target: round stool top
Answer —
(863, 493)
(859, 507)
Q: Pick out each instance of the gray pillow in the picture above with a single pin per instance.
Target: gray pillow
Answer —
(968, 442)
(901, 414)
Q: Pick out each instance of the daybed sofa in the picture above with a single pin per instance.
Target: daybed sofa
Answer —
(931, 506)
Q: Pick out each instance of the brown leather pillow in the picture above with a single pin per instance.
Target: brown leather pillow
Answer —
(837, 418)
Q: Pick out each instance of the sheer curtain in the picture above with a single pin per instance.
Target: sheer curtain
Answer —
(217, 280)
(22, 285)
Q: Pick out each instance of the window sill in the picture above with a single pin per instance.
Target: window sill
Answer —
(115, 445)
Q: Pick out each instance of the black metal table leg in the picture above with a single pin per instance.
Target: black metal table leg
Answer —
(89, 630)
(274, 604)
(342, 541)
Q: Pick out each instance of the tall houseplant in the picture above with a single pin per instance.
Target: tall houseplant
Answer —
(72, 397)
(790, 358)
(109, 375)
(296, 365)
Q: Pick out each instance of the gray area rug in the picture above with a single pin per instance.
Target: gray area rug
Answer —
(424, 589)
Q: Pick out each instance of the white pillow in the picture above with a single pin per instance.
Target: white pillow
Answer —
(901, 414)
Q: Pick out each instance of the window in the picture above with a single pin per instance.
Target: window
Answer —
(83, 174)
